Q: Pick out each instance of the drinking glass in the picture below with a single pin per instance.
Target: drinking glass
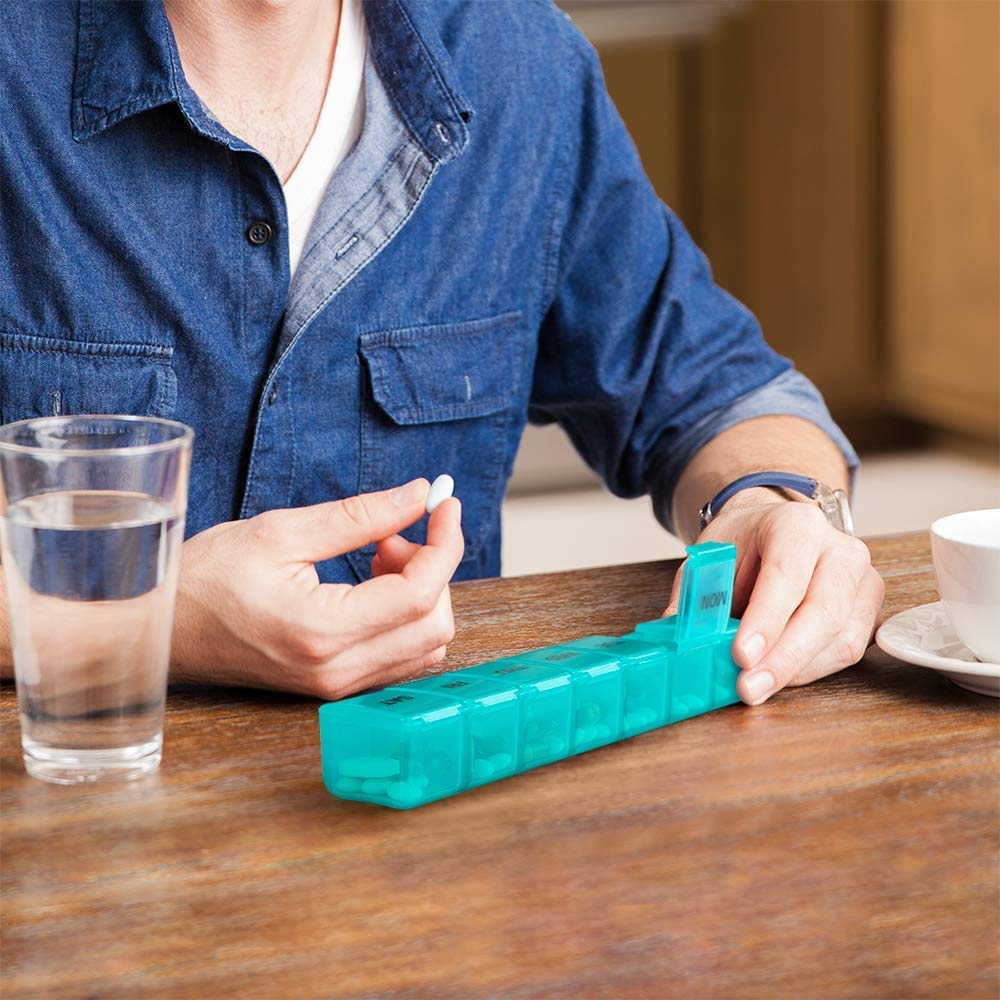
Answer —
(91, 523)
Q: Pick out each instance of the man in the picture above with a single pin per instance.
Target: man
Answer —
(356, 247)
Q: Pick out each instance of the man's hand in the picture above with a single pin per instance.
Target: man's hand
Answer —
(251, 609)
(807, 593)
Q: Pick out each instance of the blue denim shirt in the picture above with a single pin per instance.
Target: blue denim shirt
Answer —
(489, 252)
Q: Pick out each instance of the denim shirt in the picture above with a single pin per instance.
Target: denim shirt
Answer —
(489, 252)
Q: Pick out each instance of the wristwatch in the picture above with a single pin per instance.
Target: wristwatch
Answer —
(832, 502)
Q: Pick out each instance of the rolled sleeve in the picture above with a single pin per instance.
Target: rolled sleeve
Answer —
(641, 357)
(788, 394)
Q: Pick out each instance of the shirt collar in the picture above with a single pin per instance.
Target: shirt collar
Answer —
(127, 62)
(419, 75)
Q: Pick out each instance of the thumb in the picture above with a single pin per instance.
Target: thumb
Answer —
(325, 530)
(675, 592)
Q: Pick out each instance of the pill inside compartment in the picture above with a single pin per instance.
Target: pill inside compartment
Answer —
(702, 677)
(598, 692)
(645, 673)
(490, 709)
(545, 697)
(395, 747)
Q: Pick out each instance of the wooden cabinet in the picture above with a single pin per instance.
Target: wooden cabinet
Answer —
(943, 213)
(767, 149)
(789, 200)
(839, 164)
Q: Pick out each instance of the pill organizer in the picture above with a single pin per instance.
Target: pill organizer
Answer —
(409, 744)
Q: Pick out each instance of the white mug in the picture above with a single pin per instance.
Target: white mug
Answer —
(966, 552)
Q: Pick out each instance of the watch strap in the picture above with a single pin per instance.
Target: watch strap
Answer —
(779, 480)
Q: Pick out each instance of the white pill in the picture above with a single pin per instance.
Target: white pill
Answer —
(442, 488)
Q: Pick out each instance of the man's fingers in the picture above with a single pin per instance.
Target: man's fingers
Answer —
(747, 568)
(395, 653)
(393, 599)
(825, 613)
(392, 554)
(325, 530)
(333, 689)
(787, 561)
(434, 564)
(850, 645)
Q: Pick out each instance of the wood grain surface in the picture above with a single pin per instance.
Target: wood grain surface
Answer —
(838, 841)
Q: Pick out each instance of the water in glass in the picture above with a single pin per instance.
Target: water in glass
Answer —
(91, 576)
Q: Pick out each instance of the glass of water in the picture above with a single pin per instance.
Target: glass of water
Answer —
(91, 523)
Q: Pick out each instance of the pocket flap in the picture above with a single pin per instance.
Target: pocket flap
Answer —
(451, 371)
(50, 376)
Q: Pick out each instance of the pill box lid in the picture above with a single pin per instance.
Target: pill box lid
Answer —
(412, 707)
(473, 691)
(625, 647)
(706, 593)
(589, 661)
(523, 673)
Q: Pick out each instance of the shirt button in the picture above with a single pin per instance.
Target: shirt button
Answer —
(272, 396)
(258, 233)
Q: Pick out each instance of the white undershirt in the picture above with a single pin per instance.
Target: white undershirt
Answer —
(338, 128)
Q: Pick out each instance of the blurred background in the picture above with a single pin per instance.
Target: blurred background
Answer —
(839, 162)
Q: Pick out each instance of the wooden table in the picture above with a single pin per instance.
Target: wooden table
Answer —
(839, 841)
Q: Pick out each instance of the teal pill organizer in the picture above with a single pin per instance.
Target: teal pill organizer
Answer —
(413, 743)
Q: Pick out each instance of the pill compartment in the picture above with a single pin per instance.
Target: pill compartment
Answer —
(545, 696)
(395, 747)
(598, 690)
(691, 671)
(491, 712)
(725, 672)
(645, 673)
(691, 682)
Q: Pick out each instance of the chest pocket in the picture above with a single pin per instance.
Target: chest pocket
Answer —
(47, 376)
(440, 399)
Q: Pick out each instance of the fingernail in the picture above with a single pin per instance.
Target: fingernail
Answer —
(753, 648)
(410, 493)
(759, 684)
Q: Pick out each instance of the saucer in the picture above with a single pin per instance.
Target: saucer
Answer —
(925, 637)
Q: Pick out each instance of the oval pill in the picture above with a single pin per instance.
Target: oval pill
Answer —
(404, 791)
(375, 786)
(442, 488)
(501, 760)
(640, 717)
(368, 767)
(482, 768)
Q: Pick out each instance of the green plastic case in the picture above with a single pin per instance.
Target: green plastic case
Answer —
(413, 743)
